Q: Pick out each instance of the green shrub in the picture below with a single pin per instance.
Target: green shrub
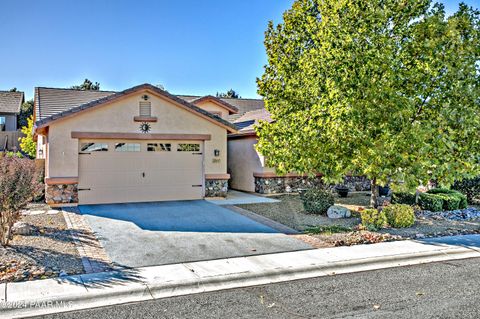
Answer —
(328, 229)
(399, 215)
(452, 198)
(404, 198)
(317, 201)
(372, 218)
(431, 202)
(469, 187)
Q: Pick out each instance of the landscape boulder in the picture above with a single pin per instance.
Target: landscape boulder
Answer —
(338, 212)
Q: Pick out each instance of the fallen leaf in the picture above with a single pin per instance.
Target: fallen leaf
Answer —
(376, 307)
(420, 293)
(271, 305)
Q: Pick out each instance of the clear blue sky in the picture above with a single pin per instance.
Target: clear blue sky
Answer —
(190, 47)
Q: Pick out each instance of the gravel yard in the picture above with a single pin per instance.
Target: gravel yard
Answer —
(289, 211)
(47, 252)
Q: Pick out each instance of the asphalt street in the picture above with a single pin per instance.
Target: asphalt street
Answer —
(438, 290)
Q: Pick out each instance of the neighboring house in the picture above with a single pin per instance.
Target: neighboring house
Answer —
(10, 104)
(142, 144)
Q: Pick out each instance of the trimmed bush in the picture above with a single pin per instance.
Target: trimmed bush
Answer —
(469, 187)
(404, 198)
(431, 202)
(399, 215)
(450, 198)
(317, 201)
(372, 218)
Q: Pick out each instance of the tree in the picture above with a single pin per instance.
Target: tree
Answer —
(26, 111)
(387, 89)
(87, 85)
(27, 144)
(231, 94)
(13, 90)
(18, 186)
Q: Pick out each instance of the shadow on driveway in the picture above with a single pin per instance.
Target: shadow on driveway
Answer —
(179, 216)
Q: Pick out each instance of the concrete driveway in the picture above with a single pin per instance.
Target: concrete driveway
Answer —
(147, 234)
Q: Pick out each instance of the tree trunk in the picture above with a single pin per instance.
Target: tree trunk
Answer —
(374, 191)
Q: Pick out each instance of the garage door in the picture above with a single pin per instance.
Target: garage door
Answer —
(133, 171)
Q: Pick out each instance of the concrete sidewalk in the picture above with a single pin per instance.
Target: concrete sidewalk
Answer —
(139, 284)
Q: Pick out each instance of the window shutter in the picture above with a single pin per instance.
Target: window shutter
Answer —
(145, 109)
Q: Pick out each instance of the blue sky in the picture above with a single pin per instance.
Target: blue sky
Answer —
(190, 47)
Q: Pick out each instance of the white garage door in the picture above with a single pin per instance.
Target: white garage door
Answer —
(134, 171)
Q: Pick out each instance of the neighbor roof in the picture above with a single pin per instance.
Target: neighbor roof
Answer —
(60, 106)
(10, 102)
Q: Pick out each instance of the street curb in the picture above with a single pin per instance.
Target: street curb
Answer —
(110, 288)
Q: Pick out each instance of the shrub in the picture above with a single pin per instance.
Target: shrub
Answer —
(431, 202)
(399, 215)
(372, 218)
(469, 187)
(404, 198)
(317, 201)
(18, 185)
(452, 199)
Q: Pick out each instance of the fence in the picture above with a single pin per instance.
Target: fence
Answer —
(9, 140)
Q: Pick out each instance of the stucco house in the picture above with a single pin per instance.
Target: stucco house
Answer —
(10, 104)
(145, 144)
(141, 144)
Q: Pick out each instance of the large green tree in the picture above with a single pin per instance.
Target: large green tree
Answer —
(26, 111)
(388, 89)
(87, 85)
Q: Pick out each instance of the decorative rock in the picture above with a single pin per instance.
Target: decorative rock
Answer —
(216, 188)
(470, 213)
(338, 212)
(62, 273)
(21, 228)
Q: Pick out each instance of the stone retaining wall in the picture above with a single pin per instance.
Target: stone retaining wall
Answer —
(216, 187)
(288, 184)
(61, 194)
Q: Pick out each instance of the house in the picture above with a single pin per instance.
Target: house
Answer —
(10, 104)
(138, 145)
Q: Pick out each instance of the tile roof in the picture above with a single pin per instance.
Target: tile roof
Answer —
(231, 108)
(51, 101)
(10, 102)
(59, 104)
(246, 123)
(243, 105)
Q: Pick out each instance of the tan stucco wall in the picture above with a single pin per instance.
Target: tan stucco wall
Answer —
(212, 107)
(118, 117)
(243, 161)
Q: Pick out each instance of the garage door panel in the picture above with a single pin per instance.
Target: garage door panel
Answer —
(117, 177)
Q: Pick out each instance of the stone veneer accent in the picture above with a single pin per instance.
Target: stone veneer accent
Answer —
(61, 194)
(289, 184)
(216, 187)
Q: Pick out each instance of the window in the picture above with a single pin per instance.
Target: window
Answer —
(94, 147)
(127, 147)
(145, 109)
(188, 148)
(2, 120)
(159, 147)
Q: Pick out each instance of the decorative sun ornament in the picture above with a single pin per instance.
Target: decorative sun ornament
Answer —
(145, 127)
